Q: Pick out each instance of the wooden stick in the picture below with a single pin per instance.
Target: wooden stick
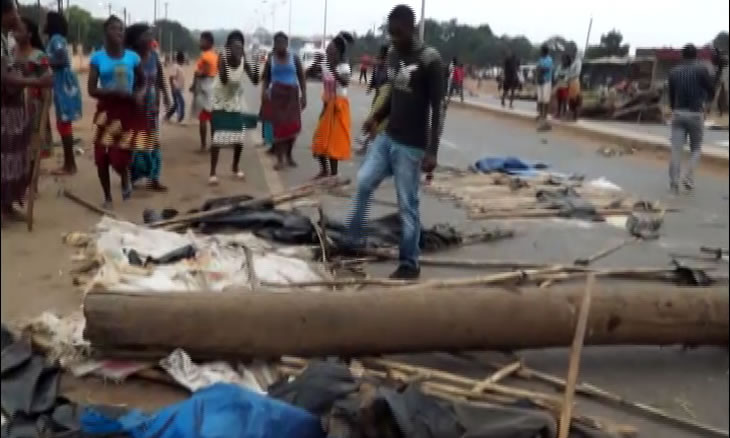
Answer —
(429, 373)
(595, 392)
(84, 203)
(575, 353)
(498, 375)
(414, 284)
(36, 144)
(541, 213)
(603, 253)
(286, 196)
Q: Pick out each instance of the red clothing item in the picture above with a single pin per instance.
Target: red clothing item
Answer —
(458, 75)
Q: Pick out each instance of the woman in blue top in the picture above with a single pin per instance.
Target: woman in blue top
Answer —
(116, 80)
(66, 91)
(146, 156)
(283, 97)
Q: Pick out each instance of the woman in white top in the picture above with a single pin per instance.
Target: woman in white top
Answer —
(228, 121)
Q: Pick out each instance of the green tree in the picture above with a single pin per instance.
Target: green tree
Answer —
(611, 45)
(174, 37)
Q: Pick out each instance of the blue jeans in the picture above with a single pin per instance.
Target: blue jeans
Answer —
(178, 105)
(386, 157)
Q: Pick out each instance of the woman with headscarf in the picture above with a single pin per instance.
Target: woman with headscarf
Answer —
(146, 154)
(228, 119)
(14, 119)
(332, 137)
(33, 63)
(283, 97)
(116, 81)
(66, 89)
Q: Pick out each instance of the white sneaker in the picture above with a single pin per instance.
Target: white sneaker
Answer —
(213, 181)
(240, 175)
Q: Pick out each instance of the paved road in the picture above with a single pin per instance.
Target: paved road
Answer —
(712, 137)
(699, 377)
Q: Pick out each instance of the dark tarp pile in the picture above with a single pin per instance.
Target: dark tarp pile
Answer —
(367, 408)
(294, 228)
(30, 396)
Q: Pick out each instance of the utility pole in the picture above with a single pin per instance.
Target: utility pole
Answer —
(324, 30)
(124, 12)
(588, 36)
(422, 24)
(110, 9)
(290, 3)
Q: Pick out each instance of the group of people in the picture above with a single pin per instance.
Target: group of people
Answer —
(126, 78)
(32, 72)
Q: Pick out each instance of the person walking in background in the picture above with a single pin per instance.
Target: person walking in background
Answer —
(690, 87)
(544, 86)
(457, 80)
(574, 94)
(205, 73)
(410, 143)
(379, 84)
(229, 104)
(177, 85)
(283, 97)
(333, 137)
(116, 81)
(146, 153)
(33, 63)
(510, 79)
(364, 67)
(561, 84)
(15, 121)
(66, 89)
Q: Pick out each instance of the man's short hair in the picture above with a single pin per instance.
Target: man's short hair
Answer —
(689, 51)
(208, 36)
(403, 14)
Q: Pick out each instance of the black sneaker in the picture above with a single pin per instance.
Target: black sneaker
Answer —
(406, 273)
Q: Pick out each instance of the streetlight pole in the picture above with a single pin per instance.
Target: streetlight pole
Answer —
(124, 11)
(422, 24)
(290, 6)
(324, 30)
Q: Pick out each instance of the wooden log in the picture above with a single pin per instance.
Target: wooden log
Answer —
(84, 203)
(266, 324)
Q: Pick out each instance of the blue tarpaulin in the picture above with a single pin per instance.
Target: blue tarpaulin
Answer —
(218, 411)
(508, 165)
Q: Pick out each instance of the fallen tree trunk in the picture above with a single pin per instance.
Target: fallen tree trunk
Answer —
(271, 324)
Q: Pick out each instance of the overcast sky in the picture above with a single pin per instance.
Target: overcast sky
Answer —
(642, 22)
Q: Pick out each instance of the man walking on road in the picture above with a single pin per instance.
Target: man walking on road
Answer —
(690, 88)
(410, 143)
(544, 86)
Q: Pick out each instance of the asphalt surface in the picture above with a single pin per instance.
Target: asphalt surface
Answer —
(715, 138)
(686, 383)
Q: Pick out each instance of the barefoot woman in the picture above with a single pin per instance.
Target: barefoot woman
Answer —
(116, 81)
(15, 121)
(284, 96)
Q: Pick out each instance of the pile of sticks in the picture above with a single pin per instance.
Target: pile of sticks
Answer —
(499, 196)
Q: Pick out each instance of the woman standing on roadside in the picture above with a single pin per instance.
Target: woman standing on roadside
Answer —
(146, 155)
(332, 138)
(116, 81)
(283, 96)
(14, 120)
(33, 63)
(66, 90)
(229, 105)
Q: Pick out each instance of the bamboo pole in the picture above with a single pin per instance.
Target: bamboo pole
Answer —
(575, 353)
(498, 375)
(84, 203)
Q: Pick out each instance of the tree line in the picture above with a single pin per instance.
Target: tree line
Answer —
(477, 46)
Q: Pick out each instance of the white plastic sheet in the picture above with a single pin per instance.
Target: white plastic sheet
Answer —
(220, 262)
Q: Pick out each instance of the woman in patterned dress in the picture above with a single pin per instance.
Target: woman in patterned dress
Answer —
(146, 154)
(33, 63)
(14, 120)
(66, 89)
